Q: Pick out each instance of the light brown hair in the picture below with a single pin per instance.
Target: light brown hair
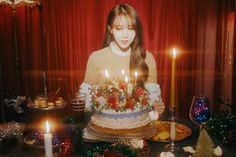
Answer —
(138, 53)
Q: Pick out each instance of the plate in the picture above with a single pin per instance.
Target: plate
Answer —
(163, 131)
(32, 106)
(38, 142)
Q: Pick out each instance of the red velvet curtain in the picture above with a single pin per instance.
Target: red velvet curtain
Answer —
(58, 36)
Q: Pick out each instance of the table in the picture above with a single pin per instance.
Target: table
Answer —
(155, 147)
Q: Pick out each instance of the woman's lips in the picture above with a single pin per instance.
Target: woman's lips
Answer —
(124, 41)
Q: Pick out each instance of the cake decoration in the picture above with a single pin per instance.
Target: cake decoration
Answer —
(116, 96)
(120, 112)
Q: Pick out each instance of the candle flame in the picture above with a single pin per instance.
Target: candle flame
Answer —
(136, 74)
(47, 127)
(122, 71)
(126, 79)
(174, 53)
(106, 74)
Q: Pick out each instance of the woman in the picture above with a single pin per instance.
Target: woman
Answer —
(123, 55)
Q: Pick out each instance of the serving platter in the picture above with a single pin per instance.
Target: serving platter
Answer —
(35, 140)
(46, 108)
(163, 131)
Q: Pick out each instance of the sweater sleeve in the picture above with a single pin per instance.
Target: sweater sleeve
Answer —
(154, 92)
(85, 88)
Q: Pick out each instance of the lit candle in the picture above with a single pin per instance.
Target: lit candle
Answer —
(135, 77)
(172, 130)
(122, 72)
(126, 79)
(129, 90)
(172, 90)
(48, 141)
(107, 75)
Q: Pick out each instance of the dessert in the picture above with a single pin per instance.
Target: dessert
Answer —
(120, 112)
(53, 100)
(163, 131)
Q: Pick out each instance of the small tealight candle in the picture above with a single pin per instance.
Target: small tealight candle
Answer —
(48, 141)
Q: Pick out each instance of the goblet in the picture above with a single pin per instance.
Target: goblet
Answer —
(199, 111)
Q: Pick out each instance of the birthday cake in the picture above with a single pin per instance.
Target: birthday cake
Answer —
(120, 111)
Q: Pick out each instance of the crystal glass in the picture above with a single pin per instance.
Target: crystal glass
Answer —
(199, 111)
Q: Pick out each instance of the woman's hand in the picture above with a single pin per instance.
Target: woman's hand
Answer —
(159, 107)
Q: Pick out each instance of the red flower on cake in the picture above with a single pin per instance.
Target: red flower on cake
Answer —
(115, 96)
(145, 101)
(140, 92)
(130, 103)
(112, 101)
(122, 85)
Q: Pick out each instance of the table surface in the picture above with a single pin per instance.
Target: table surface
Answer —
(155, 147)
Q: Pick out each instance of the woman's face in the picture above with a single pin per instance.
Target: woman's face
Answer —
(123, 33)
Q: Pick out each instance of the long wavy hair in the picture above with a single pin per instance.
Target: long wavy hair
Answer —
(138, 53)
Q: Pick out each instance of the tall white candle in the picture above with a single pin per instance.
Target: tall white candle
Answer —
(172, 130)
(48, 141)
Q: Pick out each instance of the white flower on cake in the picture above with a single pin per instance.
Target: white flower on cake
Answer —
(114, 96)
(101, 100)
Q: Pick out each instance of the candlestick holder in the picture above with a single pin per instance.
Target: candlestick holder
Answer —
(172, 113)
(172, 147)
(45, 83)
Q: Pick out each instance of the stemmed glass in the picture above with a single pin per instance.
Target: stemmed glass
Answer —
(199, 111)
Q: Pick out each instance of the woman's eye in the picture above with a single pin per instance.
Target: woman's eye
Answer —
(118, 28)
(131, 27)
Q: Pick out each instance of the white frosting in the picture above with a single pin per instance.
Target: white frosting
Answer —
(121, 123)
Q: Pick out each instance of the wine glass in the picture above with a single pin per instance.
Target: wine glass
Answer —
(199, 111)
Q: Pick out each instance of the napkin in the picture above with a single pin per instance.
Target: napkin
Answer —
(167, 154)
(137, 143)
(154, 115)
(217, 151)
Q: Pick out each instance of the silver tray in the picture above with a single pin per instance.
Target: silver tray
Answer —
(31, 106)
(29, 141)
